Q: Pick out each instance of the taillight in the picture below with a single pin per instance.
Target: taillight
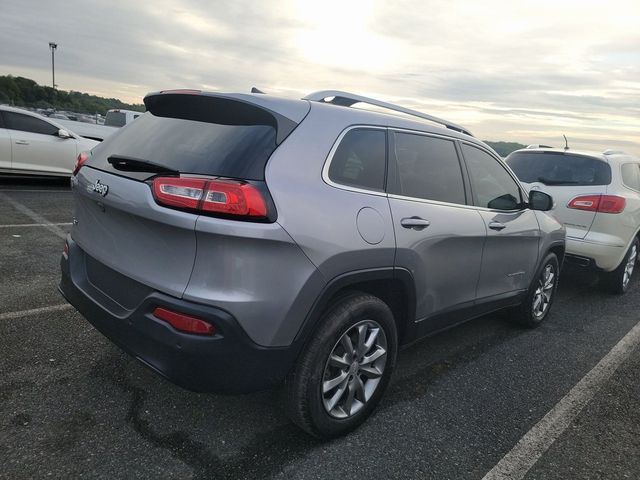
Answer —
(82, 157)
(65, 251)
(598, 203)
(184, 323)
(226, 197)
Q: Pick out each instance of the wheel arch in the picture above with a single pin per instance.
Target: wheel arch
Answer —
(394, 286)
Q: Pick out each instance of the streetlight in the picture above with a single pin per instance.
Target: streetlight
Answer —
(52, 47)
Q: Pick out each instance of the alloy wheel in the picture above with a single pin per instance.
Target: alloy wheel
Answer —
(354, 369)
(629, 267)
(544, 291)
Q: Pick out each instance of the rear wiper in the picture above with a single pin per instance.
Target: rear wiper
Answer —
(548, 181)
(131, 164)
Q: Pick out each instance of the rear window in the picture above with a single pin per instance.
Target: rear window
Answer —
(191, 146)
(557, 168)
(115, 119)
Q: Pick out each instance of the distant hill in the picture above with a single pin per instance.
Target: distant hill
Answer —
(24, 92)
(504, 148)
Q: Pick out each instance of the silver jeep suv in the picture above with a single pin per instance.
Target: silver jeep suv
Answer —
(234, 242)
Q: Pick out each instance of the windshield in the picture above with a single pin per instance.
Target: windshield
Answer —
(558, 168)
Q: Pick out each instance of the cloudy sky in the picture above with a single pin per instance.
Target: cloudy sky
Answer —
(522, 70)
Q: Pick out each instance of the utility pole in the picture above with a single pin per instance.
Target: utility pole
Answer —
(52, 47)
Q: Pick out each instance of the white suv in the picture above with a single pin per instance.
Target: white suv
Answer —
(597, 199)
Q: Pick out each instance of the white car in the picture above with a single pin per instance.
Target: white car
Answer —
(597, 199)
(117, 117)
(31, 144)
(89, 130)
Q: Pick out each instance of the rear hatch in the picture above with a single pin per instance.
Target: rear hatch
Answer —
(564, 176)
(123, 228)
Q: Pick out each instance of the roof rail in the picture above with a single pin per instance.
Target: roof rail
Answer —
(536, 145)
(610, 151)
(345, 99)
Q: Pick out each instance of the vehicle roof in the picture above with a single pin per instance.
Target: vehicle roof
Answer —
(297, 109)
(617, 156)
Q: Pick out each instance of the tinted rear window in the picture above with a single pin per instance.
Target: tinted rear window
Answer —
(556, 168)
(190, 146)
(115, 119)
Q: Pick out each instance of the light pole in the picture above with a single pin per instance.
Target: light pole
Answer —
(52, 47)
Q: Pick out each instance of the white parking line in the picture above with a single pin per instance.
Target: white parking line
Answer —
(515, 464)
(34, 311)
(15, 225)
(34, 216)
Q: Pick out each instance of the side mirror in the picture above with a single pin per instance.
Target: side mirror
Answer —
(540, 201)
(63, 134)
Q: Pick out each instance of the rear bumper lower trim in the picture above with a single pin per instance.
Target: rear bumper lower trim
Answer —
(228, 362)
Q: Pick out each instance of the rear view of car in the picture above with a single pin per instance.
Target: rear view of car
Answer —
(233, 242)
(165, 244)
(597, 199)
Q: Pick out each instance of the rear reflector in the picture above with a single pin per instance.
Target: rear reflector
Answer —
(598, 203)
(184, 323)
(82, 157)
(227, 197)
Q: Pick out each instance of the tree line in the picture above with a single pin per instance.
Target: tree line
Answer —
(24, 92)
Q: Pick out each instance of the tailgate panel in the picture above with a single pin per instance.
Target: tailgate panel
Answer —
(129, 233)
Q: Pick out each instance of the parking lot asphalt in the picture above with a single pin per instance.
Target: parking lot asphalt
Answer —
(72, 405)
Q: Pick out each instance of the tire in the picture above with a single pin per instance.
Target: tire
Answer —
(540, 296)
(618, 281)
(310, 397)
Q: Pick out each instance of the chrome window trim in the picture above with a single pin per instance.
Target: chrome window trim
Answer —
(348, 188)
(447, 204)
(329, 159)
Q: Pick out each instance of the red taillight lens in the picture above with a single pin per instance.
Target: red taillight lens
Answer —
(65, 250)
(82, 157)
(184, 323)
(179, 192)
(598, 203)
(612, 204)
(228, 197)
(234, 198)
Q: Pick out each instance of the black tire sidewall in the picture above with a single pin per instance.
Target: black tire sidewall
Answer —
(617, 276)
(337, 321)
(530, 318)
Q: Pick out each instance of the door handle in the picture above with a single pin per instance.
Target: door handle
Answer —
(22, 142)
(415, 223)
(497, 226)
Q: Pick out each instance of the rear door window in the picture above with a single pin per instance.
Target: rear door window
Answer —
(427, 168)
(27, 123)
(631, 175)
(493, 186)
(360, 159)
(558, 168)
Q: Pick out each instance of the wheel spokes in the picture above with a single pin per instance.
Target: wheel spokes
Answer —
(379, 352)
(354, 369)
(329, 385)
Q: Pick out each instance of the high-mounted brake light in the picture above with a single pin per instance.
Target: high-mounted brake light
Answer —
(82, 157)
(184, 323)
(184, 91)
(598, 203)
(226, 197)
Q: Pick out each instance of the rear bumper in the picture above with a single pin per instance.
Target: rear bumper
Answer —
(228, 362)
(598, 255)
